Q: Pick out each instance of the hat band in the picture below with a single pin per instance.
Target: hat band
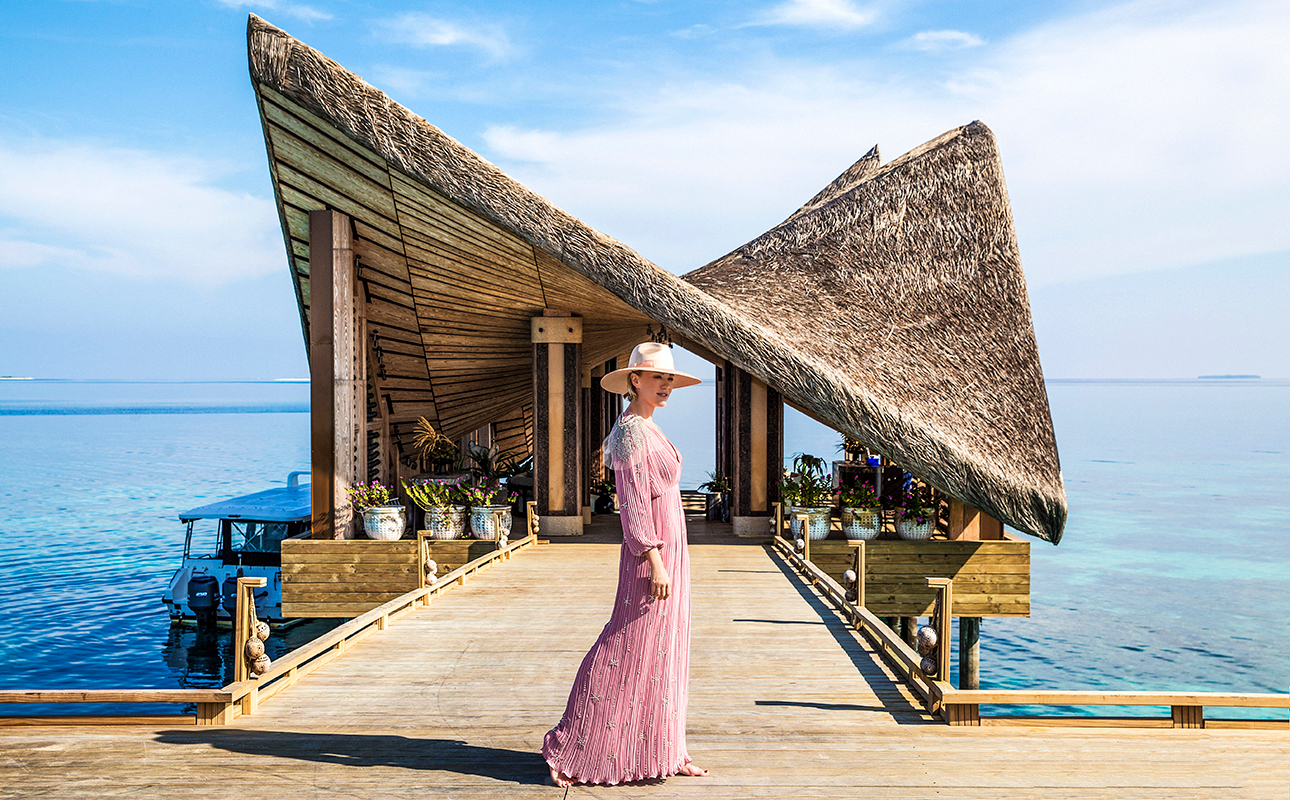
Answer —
(649, 362)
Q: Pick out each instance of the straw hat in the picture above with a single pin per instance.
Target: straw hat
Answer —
(647, 357)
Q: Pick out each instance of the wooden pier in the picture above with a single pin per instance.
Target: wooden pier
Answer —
(454, 698)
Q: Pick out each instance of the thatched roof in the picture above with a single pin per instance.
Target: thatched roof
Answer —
(904, 290)
(891, 306)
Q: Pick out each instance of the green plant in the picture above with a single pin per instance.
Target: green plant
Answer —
(807, 486)
(431, 444)
(492, 463)
(431, 495)
(716, 484)
(849, 445)
(917, 503)
(368, 495)
(605, 485)
(857, 494)
(489, 492)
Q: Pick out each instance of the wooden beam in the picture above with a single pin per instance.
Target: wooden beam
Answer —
(335, 392)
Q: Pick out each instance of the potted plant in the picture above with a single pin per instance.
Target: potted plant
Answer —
(445, 517)
(717, 488)
(861, 517)
(916, 513)
(382, 517)
(434, 447)
(806, 490)
(485, 498)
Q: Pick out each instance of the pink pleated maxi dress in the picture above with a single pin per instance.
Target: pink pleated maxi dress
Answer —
(625, 719)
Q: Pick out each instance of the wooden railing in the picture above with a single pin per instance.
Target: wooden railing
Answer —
(962, 707)
(221, 706)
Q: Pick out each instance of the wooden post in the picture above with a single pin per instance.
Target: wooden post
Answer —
(243, 625)
(805, 522)
(336, 411)
(909, 631)
(557, 403)
(969, 524)
(753, 441)
(941, 622)
(969, 652)
(859, 570)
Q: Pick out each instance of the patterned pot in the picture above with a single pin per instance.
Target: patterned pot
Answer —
(914, 531)
(482, 525)
(385, 523)
(859, 523)
(817, 522)
(446, 523)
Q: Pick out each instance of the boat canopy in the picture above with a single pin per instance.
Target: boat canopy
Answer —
(289, 504)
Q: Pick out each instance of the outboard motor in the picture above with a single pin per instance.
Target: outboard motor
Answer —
(203, 600)
(230, 594)
(260, 596)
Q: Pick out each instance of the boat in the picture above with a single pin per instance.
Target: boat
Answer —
(238, 537)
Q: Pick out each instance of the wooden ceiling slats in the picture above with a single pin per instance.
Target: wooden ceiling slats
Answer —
(300, 155)
(436, 259)
(307, 117)
(461, 285)
(376, 257)
(571, 291)
(360, 159)
(436, 209)
(440, 294)
(463, 238)
(320, 195)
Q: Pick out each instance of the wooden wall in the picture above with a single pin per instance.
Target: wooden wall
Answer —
(339, 578)
(991, 579)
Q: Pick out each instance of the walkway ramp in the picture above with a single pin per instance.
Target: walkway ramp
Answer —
(453, 700)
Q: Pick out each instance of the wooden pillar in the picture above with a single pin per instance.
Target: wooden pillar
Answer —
(969, 652)
(909, 631)
(557, 411)
(336, 366)
(969, 524)
(752, 437)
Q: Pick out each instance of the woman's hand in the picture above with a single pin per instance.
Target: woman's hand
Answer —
(660, 583)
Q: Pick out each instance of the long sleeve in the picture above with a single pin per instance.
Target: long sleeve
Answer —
(629, 450)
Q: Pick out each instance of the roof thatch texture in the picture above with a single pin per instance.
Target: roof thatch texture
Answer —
(892, 306)
(907, 287)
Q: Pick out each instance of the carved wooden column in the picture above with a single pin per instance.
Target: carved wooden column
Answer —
(753, 445)
(336, 367)
(557, 429)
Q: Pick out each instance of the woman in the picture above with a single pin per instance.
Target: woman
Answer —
(625, 719)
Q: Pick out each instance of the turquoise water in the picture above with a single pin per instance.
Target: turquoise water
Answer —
(1172, 573)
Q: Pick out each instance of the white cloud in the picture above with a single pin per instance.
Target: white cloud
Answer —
(1133, 138)
(423, 30)
(130, 212)
(932, 41)
(297, 10)
(817, 14)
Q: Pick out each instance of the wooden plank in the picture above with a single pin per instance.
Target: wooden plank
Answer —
(115, 696)
(1117, 698)
(303, 159)
(317, 123)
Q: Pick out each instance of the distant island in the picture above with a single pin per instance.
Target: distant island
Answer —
(1229, 377)
(14, 378)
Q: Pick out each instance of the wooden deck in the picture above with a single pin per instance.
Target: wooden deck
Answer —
(453, 700)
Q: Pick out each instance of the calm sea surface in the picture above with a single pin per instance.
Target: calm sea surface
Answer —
(1172, 573)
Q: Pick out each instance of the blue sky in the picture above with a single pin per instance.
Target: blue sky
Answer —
(1142, 143)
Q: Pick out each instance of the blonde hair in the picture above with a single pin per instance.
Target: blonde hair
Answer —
(630, 394)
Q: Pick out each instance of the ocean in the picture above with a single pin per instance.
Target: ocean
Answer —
(1171, 575)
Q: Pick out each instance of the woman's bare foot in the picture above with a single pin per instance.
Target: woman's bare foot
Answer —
(692, 771)
(560, 779)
